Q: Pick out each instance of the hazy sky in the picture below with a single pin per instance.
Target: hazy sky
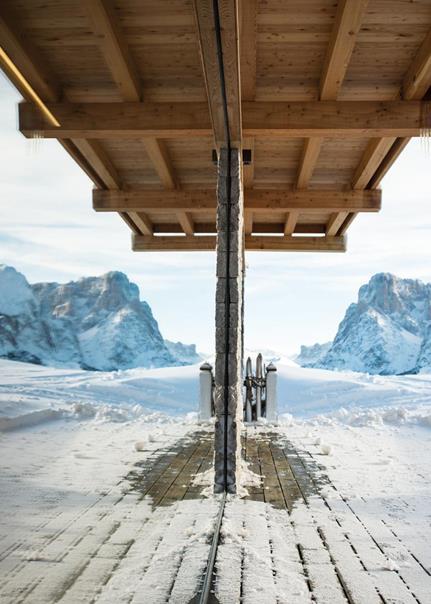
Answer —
(49, 232)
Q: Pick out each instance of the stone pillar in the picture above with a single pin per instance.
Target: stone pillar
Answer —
(229, 297)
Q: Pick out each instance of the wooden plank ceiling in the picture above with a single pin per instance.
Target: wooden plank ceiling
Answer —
(324, 94)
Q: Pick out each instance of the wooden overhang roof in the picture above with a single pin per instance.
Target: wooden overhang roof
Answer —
(325, 94)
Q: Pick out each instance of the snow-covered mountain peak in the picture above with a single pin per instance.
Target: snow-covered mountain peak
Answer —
(386, 331)
(16, 295)
(95, 322)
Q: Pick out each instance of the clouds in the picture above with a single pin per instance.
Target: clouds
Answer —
(49, 231)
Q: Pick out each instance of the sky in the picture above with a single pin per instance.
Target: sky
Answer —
(49, 232)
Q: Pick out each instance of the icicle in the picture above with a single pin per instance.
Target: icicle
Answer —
(35, 143)
(425, 130)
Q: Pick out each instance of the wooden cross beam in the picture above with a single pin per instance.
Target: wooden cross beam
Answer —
(189, 120)
(143, 243)
(255, 200)
(346, 27)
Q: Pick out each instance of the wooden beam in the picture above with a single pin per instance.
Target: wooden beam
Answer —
(100, 162)
(335, 222)
(347, 222)
(373, 155)
(343, 37)
(380, 154)
(295, 244)
(159, 157)
(173, 243)
(273, 228)
(267, 119)
(248, 14)
(310, 155)
(290, 223)
(394, 152)
(89, 155)
(229, 32)
(255, 200)
(418, 78)
(248, 223)
(347, 24)
(248, 170)
(27, 60)
(186, 222)
(142, 221)
(82, 162)
(105, 24)
(142, 243)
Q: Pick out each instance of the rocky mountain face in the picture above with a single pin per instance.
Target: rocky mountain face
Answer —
(388, 330)
(309, 356)
(96, 322)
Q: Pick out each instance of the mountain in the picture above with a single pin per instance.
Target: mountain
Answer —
(186, 353)
(309, 356)
(95, 322)
(388, 330)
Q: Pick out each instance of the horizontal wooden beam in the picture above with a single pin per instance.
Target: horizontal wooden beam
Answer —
(142, 243)
(173, 243)
(295, 244)
(273, 228)
(255, 200)
(264, 119)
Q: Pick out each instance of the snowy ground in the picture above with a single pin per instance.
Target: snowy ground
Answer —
(59, 478)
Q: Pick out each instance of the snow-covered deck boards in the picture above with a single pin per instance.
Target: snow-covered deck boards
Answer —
(145, 536)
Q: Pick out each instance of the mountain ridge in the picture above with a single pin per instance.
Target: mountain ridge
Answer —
(387, 331)
(94, 323)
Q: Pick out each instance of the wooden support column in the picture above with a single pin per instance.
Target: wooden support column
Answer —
(229, 322)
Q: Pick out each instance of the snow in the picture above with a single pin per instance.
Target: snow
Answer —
(64, 495)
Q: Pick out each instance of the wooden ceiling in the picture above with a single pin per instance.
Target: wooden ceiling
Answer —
(325, 94)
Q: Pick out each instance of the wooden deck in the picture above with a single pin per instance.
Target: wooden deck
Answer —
(294, 538)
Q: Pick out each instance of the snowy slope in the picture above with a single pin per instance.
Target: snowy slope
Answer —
(386, 332)
(302, 392)
(95, 322)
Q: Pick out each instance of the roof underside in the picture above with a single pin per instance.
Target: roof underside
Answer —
(325, 94)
